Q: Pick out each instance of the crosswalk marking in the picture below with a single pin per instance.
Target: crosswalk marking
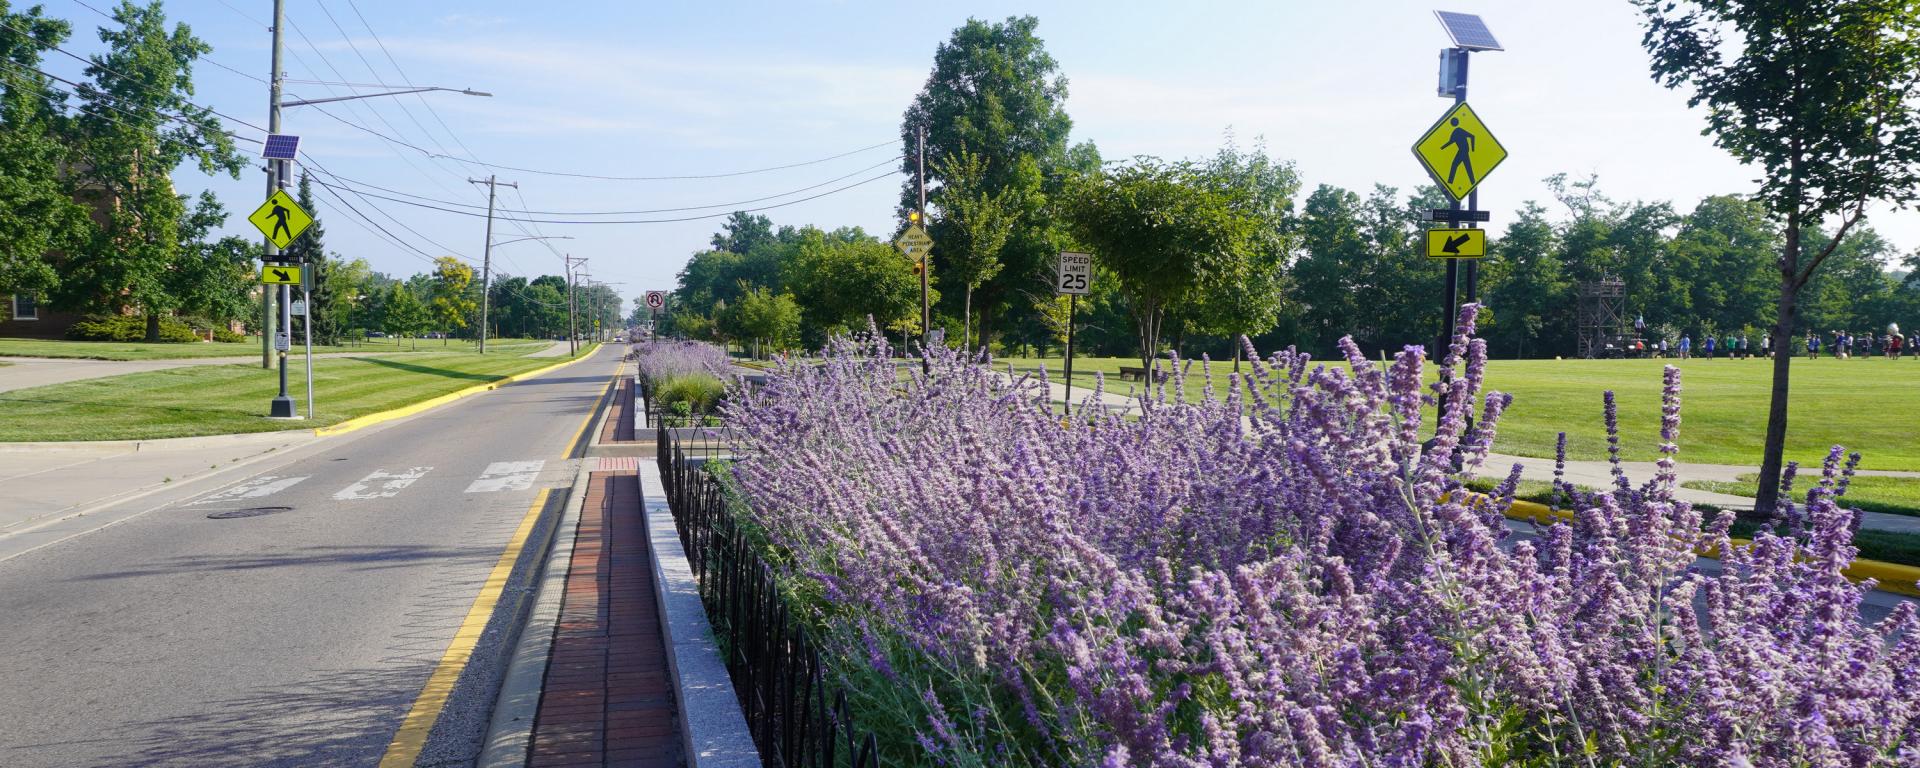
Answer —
(381, 484)
(252, 488)
(507, 476)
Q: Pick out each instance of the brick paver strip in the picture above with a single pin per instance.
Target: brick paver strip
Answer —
(619, 426)
(607, 700)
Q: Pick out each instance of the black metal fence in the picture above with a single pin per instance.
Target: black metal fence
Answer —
(798, 719)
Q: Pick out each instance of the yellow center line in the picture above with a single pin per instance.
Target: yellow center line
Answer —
(412, 736)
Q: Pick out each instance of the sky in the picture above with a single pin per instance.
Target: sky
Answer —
(1342, 89)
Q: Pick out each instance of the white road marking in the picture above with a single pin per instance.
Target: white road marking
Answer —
(389, 484)
(252, 488)
(507, 476)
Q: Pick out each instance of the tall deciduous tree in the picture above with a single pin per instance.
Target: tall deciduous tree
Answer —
(403, 314)
(994, 90)
(37, 210)
(1246, 297)
(137, 124)
(452, 302)
(1819, 94)
(212, 278)
(1162, 231)
(977, 222)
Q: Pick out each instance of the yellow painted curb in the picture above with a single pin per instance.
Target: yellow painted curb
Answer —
(1891, 577)
(362, 422)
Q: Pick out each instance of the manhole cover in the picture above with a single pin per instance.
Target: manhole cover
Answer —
(233, 514)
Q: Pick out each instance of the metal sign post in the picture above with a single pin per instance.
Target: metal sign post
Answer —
(306, 319)
(1073, 278)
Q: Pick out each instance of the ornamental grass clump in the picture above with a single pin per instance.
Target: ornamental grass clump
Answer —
(1282, 574)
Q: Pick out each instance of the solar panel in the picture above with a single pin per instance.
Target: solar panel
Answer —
(280, 147)
(1468, 31)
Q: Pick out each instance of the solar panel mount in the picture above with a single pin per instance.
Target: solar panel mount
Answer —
(1468, 31)
(280, 146)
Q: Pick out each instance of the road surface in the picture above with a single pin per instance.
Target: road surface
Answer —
(299, 637)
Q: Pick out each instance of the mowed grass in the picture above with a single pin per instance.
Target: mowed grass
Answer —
(229, 399)
(1867, 405)
(119, 350)
(1893, 495)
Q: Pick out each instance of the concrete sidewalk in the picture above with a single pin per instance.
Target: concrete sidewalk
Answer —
(24, 372)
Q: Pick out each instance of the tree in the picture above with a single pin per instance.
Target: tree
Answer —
(1819, 95)
(769, 317)
(37, 211)
(136, 125)
(994, 90)
(347, 284)
(742, 232)
(403, 314)
(451, 299)
(1161, 230)
(1526, 285)
(978, 223)
(212, 279)
(1245, 298)
(842, 278)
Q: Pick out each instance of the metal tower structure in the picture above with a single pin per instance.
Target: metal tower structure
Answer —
(1602, 318)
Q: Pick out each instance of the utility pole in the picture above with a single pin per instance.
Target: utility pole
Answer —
(573, 322)
(926, 259)
(486, 259)
(273, 184)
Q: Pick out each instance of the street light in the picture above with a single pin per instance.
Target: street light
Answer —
(486, 272)
(403, 92)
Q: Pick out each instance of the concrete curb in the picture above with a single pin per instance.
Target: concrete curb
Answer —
(713, 730)
(510, 731)
(1889, 577)
(362, 422)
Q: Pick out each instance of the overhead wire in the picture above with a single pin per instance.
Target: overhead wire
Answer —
(817, 196)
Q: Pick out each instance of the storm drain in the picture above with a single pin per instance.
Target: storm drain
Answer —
(234, 514)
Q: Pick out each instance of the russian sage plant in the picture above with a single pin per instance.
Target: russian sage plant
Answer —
(1290, 571)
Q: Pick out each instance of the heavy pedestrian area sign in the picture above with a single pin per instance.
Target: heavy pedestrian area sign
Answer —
(1459, 152)
(914, 242)
(273, 275)
(1075, 274)
(1456, 243)
(281, 219)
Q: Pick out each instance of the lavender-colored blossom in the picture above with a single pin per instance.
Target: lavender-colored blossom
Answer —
(1281, 574)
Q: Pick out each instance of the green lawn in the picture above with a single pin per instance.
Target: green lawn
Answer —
(1893, 495)
(227, 399)
(1864, 404)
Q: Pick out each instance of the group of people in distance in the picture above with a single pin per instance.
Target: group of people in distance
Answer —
(1840, 344)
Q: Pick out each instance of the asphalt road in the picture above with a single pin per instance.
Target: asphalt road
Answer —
(295, 638)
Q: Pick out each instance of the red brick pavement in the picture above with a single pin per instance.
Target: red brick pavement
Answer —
(607, 699)
(619, 426)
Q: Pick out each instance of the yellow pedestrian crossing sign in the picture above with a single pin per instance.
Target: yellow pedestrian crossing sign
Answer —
(1459, 151)
(281, 219)
(278, 275)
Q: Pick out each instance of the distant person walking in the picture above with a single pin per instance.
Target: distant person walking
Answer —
(1894, 343)
(1462, 142)
(1686, 347)
(1766, 344)
(1813, 345)
(1706, 347)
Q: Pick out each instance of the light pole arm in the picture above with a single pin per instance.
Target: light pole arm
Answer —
(304, 102)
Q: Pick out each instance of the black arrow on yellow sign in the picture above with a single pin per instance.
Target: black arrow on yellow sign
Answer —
(281, 276)
(1453, 244)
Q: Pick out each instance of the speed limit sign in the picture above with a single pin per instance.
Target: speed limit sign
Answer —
(656, 299)
(1075, 274)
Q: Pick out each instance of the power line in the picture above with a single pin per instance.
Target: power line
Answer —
(734, 205)
(64, 94)
(686, 176)
(862, 182)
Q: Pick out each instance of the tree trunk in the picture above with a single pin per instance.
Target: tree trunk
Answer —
(153, 326)
(1771, 461)
(966, 322)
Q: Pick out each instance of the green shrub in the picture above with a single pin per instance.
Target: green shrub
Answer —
(221, 333)
(129, 328)
(699, 392)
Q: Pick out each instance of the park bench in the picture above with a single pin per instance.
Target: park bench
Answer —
(1137, 373)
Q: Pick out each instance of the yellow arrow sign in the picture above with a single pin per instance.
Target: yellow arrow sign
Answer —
(1456, 243)
(273, 275)
(1459, 151)
(281, 219)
